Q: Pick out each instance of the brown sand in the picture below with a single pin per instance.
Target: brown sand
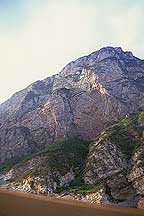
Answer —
(23, 204)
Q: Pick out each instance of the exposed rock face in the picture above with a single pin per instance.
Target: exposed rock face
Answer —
(106, 160)
(87, 95)
(117, 157)
(136, 176)
(96, 197)
(45, 185)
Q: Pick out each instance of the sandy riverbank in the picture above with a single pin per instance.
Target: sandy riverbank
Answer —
(21, 204)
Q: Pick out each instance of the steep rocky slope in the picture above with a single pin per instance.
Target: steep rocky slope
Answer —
(45, 130)
(117, 157)
(111, 172)
(88, 95)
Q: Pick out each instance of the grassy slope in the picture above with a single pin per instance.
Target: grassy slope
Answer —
(72, 150)
(60, 157)
(127, 134)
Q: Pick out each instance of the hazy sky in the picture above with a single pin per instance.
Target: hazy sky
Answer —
(38, 37)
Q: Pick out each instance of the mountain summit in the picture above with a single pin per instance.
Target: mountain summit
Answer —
(88, 95)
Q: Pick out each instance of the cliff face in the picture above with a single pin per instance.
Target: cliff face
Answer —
(117, 156)
(87, 96)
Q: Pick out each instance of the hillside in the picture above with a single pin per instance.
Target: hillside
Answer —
(79, 134)
(112, 172)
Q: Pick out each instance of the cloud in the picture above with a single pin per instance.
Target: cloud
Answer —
(48, 34)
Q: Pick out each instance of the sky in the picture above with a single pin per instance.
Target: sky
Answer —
(39, 37)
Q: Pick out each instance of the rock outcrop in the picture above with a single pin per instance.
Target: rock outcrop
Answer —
(117, 157)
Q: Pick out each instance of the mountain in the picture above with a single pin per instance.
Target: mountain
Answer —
(52, 122)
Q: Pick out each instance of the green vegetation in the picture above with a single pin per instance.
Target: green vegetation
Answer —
(79, 187)
(127, 134)
(73, 151)
(60, 157)
(8, 165)
(85, 189)
(124, 141)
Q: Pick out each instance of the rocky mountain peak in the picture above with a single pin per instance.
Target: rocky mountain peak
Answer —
(113, 52)
(88, 94)
(125, 58)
